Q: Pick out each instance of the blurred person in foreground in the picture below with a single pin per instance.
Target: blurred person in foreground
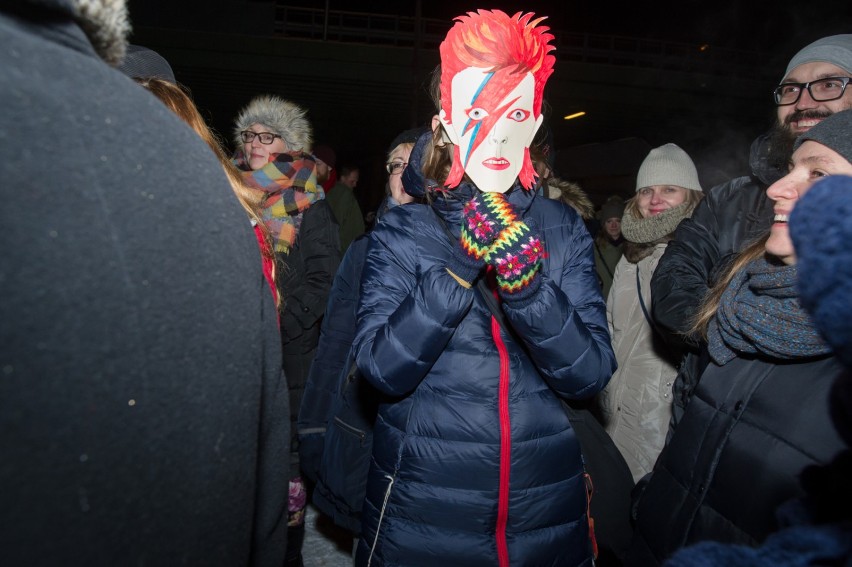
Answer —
(143, 418)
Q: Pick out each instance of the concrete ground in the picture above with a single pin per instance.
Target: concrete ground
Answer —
(326, 545)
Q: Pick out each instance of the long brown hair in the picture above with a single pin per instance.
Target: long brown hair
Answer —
(707, 310)
(177, 98)
(179, 101)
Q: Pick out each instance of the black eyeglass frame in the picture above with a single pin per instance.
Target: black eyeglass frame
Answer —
(247, 136)
(776, 94)
(393, 166)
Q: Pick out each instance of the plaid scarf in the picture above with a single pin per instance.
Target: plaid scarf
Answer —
(290, 181)
(759, 313)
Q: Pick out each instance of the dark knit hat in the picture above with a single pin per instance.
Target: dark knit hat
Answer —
(143, 63)
(406, 137)
(613, 208)
(668, 165)
(834, 49)
(834, 132)
(326, 155)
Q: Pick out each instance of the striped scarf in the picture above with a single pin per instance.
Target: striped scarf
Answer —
(290, 182)
(759, 313)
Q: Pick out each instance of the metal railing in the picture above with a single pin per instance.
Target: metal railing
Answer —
(407, 31)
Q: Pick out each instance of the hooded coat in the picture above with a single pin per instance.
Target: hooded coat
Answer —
(476, 415)
(143, 413)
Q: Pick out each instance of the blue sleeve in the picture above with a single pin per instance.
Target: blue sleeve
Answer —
(564, 325)
(405, 318)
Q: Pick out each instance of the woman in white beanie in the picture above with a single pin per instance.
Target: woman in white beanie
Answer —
(636, 403)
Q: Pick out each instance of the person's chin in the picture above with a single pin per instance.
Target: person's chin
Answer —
(257, 163)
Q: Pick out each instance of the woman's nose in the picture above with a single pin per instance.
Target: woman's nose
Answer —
(784, 188)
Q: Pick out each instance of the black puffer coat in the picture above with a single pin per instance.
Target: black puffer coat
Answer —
(750, 429)
(305, 275)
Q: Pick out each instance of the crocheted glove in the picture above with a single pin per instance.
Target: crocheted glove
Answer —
(516, 256)
(485, 216)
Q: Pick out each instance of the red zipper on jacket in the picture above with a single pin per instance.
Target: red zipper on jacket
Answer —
(505, 445)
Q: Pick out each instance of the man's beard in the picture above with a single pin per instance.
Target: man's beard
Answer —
(782, 138)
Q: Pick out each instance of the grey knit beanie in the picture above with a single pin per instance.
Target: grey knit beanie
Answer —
(282, 117)
(834, 132)
(668, 165)
(834, 49)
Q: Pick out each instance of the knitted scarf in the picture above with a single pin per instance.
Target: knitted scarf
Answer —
(290, 181)
(759, 313)
(653, 228)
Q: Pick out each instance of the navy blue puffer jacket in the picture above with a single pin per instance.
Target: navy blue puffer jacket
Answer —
(475, 461)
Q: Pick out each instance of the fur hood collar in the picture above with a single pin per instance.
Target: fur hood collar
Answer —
(285, 118)
(106, 24)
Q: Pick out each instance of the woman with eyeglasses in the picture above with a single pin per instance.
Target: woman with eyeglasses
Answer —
(273, 138)
(339, 406)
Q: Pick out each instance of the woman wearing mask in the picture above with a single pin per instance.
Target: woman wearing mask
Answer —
(474, 459)
(759, 414)
(636, 404)
(273, 137)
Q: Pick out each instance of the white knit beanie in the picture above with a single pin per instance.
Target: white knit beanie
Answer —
(668, 165)
(834, 49)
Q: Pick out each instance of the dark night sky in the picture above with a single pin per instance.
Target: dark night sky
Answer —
(773, 30)
(734, 24)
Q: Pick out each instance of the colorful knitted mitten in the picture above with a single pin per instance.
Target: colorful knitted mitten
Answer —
(485, 217)
(516, 256)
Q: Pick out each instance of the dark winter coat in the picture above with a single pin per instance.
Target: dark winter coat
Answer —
(305, 274)
(730, 217)
(143, 418)
(442, 446)
(339, 407)
(750, 429)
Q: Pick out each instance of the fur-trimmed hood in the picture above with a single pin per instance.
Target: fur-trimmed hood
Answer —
(106, 24)
(285, 118)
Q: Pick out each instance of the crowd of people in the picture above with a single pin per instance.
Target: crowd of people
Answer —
(198, 344)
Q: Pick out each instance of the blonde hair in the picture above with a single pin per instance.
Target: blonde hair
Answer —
(403, 146)
(692, 198)
(707, 310)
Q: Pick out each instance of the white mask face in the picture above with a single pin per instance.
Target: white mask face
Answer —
(492, 136)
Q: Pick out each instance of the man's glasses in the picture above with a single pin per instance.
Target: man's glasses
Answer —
(266, 138)
(821, 90)
(395, 167)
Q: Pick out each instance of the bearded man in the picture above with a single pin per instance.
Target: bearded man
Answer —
(814, 87)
